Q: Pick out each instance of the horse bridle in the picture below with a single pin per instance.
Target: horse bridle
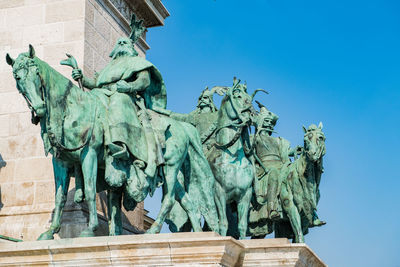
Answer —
(35, 119)
(235, 137)
(321, 149)
(52, 138)
(240, 127)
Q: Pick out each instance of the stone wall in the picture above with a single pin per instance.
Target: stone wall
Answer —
(102, 30)
(86, 29)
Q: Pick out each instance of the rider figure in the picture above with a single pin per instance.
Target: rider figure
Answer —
(126, 84)
(204, 118)
(273, 158)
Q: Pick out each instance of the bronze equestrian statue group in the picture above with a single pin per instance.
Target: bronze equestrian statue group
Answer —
(117, 135)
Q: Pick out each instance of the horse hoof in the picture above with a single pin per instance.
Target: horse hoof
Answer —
(48, 235)
(198, 229)
(298, 240)
(274, 215)
(154, 229)
(87, 233)
(78, 197)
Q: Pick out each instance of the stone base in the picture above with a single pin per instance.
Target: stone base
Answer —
(28, 222)
(178, 249)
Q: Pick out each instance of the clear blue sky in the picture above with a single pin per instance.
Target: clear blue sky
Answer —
(332, 61)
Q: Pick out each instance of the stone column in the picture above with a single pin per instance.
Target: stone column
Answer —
(87, 29)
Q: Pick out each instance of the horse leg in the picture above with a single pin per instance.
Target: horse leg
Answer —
(220, 202)
(61, 178)
(183, 198)
(169, 190)
(79, 196)
(292, 213)
(200, 169)
(243, 212)
(114, 199)
(89, 169)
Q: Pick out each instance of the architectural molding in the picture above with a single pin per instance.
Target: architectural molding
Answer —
(153, 13)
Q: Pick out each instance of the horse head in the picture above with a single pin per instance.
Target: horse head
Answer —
(237, 103)
(26, 74)
(314, 142)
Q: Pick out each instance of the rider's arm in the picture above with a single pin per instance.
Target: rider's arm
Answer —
(86, 82)
(181, 117)
(141, 83)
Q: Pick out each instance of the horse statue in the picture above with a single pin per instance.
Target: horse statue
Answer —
(299, 192)
(72, 129)
(230, 158)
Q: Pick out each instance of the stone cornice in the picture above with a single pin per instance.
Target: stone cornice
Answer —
(159, 11)
(153, 12)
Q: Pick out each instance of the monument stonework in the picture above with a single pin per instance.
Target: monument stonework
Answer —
(88, 29)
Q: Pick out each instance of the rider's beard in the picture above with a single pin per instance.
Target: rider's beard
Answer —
(122, 50)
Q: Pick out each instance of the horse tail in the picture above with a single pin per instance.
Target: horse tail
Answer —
(201, 178)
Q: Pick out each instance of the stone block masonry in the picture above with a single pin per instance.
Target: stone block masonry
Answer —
(178, 249)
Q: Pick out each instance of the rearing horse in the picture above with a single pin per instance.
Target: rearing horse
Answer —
(229, 158)
(70, 117)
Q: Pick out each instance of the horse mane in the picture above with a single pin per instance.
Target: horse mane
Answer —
(60, 94)
(49, 72)
(221, 111)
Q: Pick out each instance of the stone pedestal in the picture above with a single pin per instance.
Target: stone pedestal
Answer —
(178, 249)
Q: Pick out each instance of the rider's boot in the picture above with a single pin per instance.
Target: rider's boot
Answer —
(273, 213)
(316, 221)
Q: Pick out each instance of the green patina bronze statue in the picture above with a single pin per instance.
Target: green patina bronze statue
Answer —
(112, 140)
(272, 161)
(231, 158)
(117, 135)
(286, 192)
(204, 117)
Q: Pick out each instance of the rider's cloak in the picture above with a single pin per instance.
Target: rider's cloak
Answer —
(123, 120)
(126, 68)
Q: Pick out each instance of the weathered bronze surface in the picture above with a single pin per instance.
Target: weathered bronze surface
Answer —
(114, 133)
